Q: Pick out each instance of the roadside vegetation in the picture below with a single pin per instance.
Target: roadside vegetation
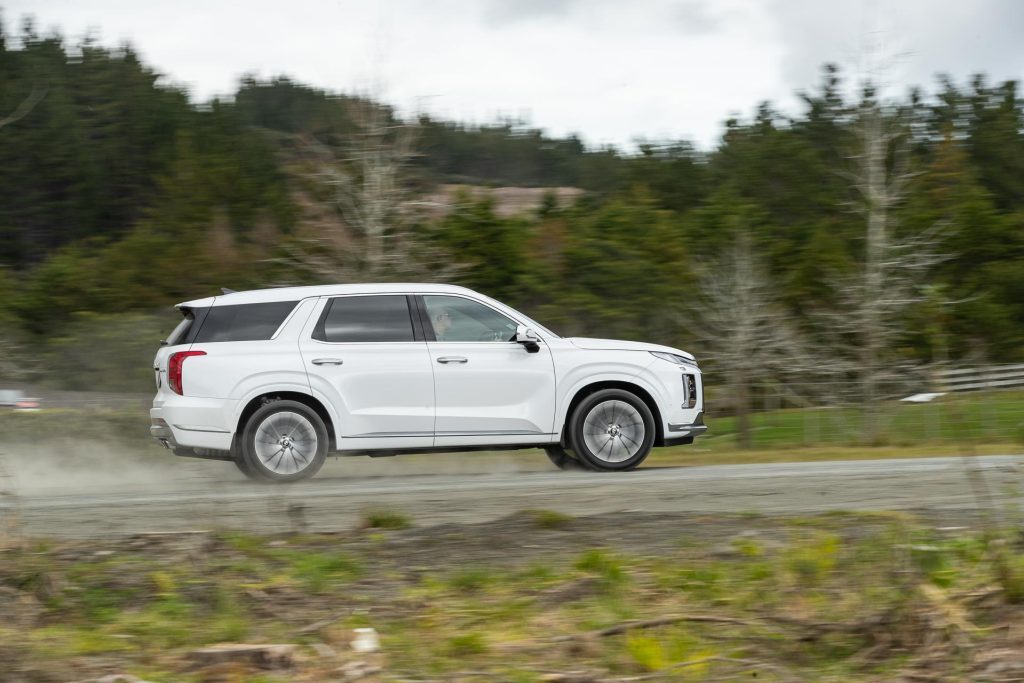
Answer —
(837, 597)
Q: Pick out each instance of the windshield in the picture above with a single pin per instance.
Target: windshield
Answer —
(542, 329)
(530, 322)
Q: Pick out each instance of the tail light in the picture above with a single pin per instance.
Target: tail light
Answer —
(174, 368)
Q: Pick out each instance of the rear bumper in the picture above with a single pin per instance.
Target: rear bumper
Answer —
(161, 432)
(190, 426)
(164, 435)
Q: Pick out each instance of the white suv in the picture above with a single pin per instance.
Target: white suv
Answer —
(277, 379)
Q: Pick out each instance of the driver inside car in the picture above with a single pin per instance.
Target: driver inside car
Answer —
(442, 323)
(460, 320)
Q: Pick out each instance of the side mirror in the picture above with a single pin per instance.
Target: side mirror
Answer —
(527, 337)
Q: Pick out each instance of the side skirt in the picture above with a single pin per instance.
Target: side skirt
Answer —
(387, 453)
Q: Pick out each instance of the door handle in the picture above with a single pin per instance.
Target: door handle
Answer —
(452, 359)
(327, 361)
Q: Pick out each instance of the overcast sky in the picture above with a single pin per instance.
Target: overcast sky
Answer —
(611, 70)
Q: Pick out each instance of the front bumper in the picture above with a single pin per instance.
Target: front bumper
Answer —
(696, 428)
(680, 434)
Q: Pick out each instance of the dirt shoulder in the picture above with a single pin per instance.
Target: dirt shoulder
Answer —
(537, 595)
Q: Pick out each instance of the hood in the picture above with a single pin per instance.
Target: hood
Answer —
(617, 345)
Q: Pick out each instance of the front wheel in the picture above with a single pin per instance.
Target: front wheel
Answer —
(561, 459)
(283, 441)
(612, 429)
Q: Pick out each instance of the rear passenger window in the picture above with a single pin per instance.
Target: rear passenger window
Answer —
(244, 322)
(365, 319)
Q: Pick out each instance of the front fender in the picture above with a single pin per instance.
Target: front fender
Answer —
(602, 371)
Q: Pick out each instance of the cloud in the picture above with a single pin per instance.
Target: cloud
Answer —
(695, 17)
(904, 44)
(498, 13)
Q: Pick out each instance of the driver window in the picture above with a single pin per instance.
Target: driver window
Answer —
(455, 319)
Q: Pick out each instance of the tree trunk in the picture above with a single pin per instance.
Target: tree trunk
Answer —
(741, 391)
(877, 200)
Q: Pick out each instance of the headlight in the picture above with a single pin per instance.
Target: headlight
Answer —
(675, 358)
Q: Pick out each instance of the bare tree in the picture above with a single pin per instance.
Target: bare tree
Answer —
(894, 268)
(369, 227)
(749, 335)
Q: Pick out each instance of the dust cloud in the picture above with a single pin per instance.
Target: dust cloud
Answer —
(68, 467)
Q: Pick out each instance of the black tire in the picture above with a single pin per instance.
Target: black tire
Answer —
(242, 464)
(632, 440)
(562, 459)
(306, 445)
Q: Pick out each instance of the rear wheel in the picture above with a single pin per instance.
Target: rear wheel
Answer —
(283, 441)
(242, 464)
(612, 429)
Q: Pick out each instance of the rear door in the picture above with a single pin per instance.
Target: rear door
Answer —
(366, 357)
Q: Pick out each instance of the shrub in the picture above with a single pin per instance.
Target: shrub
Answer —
(385, 519)
(549, 519)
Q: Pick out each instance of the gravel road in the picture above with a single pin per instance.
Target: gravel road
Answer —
(99, 494)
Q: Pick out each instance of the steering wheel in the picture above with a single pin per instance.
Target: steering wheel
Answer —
(490, 336)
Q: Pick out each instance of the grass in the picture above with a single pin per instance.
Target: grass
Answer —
(120, 427)
(471, 580)
(142, 609)
(601, 563)
(989, 423)
(381, 518)
(993, 417)
(698, 455)
(550, 519)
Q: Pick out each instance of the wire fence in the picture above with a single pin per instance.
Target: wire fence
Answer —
(796, 415)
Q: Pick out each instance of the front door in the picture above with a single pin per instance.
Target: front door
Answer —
(488, 389)
(364, 357)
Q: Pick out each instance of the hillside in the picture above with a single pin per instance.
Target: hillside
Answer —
(120, 195)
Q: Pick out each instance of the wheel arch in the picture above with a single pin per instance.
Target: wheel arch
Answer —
(632, 387)
(311, 402)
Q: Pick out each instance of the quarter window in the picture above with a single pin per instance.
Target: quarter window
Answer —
(180, 333)
(366, 319)
(455, 319)
(243, 322)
